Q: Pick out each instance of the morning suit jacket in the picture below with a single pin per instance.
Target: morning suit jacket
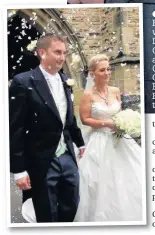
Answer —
(35, 124)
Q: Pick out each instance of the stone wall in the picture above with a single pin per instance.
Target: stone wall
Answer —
(105, 29)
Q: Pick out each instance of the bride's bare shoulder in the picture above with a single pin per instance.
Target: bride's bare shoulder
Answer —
(87, 95)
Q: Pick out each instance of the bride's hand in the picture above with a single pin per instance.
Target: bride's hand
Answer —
(81, 152)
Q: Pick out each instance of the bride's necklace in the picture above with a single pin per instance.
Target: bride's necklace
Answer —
(105, 98)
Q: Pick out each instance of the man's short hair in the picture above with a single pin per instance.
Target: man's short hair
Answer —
(44, 42)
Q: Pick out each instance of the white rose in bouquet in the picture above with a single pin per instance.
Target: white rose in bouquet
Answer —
(127, 122)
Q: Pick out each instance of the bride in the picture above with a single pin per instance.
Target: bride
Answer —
(110, 174)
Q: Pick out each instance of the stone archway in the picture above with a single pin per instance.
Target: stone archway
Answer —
(25, 25)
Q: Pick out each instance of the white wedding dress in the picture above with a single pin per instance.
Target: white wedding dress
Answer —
(110, 174)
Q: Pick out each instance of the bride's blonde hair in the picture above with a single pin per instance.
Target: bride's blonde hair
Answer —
(95, 60)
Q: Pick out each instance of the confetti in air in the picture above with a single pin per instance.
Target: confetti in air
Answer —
(123, 64)
(32, 45)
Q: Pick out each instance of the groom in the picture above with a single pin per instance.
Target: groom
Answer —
(42, 131)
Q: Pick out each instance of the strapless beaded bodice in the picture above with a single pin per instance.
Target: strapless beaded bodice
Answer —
(101, 111)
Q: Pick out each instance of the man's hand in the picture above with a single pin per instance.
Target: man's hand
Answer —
(81, 152)
(24, 183)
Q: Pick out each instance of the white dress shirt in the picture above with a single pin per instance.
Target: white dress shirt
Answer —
(57, 90)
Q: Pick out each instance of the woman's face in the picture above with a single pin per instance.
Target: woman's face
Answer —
(102, 73)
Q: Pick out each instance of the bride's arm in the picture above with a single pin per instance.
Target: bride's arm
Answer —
(85, 114)
(118, 95)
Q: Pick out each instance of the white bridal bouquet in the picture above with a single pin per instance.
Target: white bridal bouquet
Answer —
(127, 122)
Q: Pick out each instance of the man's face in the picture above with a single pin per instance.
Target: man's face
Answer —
(55, 55)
